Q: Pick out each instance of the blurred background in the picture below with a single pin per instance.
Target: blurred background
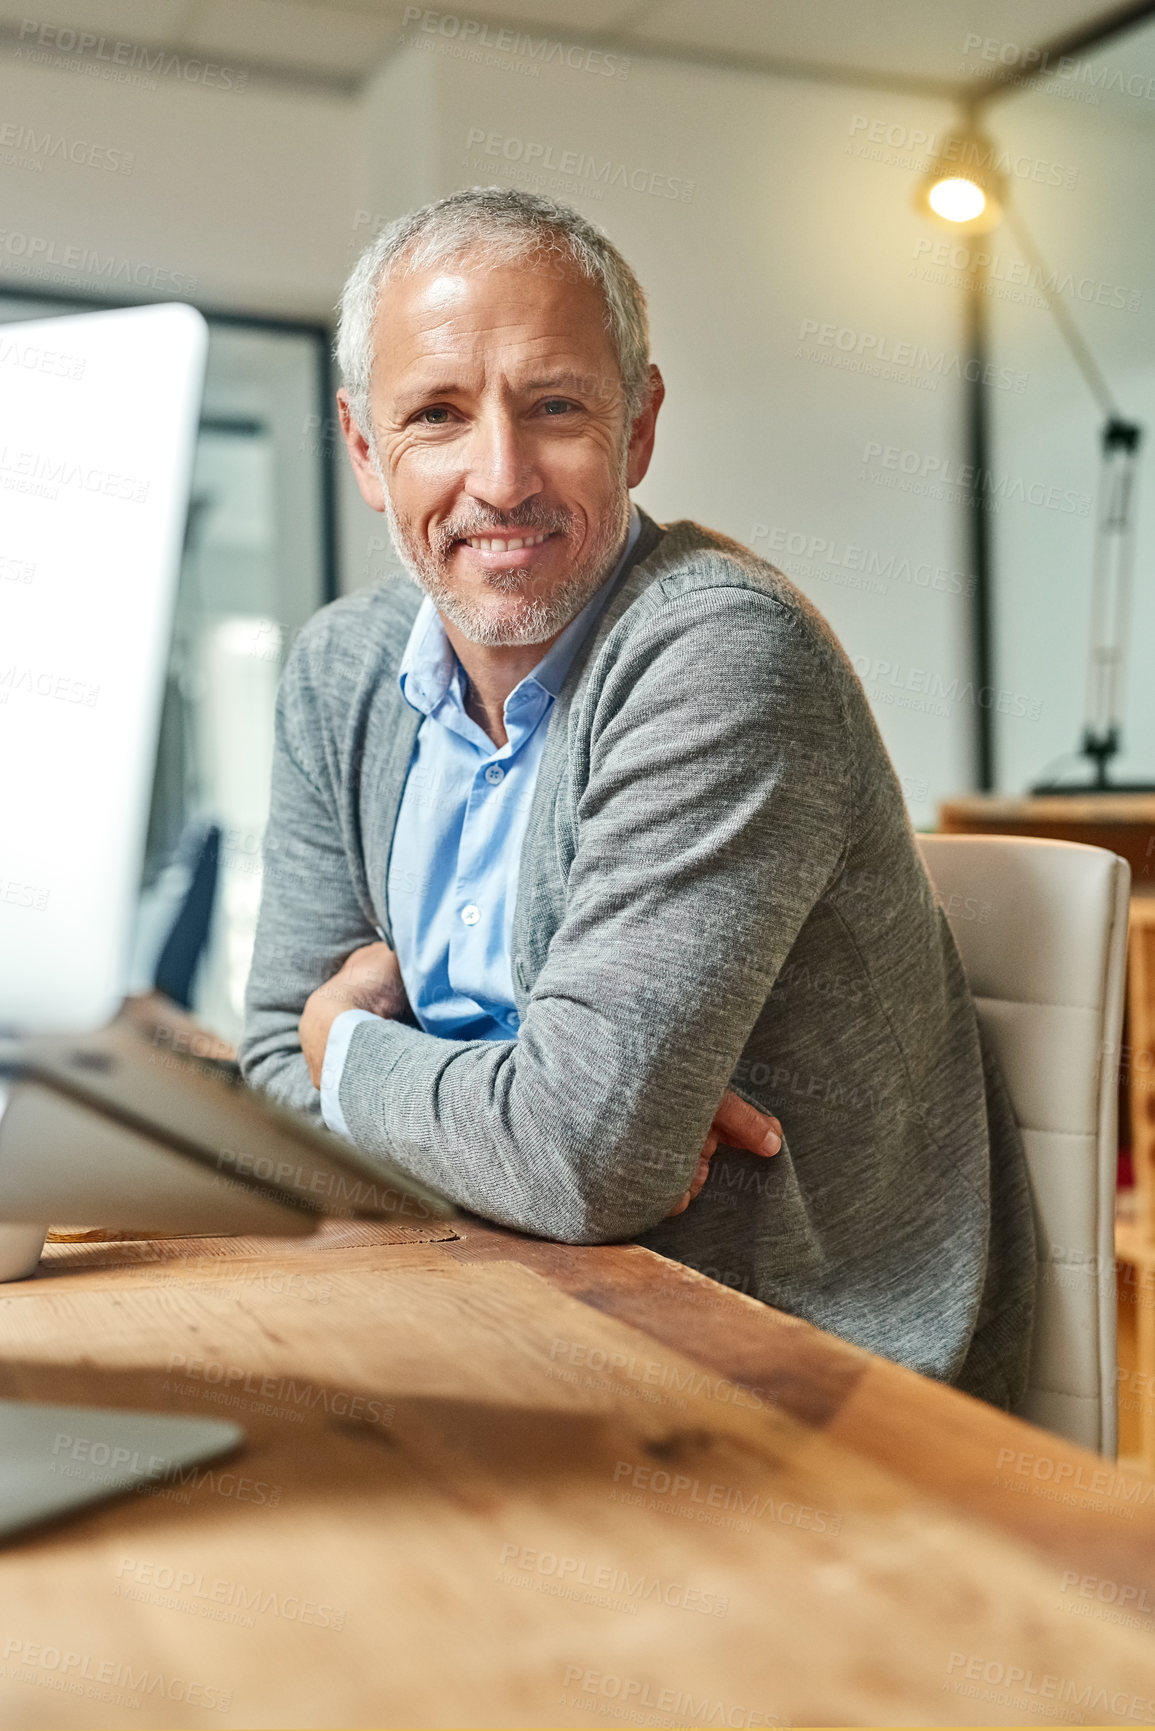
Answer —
(902, 409)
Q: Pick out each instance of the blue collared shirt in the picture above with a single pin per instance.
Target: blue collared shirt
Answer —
(454, 863)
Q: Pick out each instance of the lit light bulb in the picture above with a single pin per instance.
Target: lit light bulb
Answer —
(957, 200)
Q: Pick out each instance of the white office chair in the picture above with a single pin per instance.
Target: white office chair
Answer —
(1041, 927)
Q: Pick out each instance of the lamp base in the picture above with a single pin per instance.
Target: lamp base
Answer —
(1099, 746)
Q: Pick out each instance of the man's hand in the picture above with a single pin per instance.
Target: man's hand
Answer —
(736, 1125)
(369, 979)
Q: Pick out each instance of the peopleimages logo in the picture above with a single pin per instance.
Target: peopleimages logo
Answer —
(47, 42)
(605, 1584)
(668, 1706)
(886, 355)
(75, 1673)
(31, 358)
(817, 551)
(938, 477)
(215, 1595)
(1022, 1687)
(1107, 1592)
(1102, 1481)
(472, 34)
(921, 688)
(873, 139)
(1032, 62)
(576, 165)
(43, 682)
(14, 893)
(24, 147)
(44, 473)
(37, 256)
(993, 271)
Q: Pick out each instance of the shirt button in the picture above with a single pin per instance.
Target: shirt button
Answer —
(494, 774)
(471, 914)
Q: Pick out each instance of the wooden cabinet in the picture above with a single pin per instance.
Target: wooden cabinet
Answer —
(1122, 822)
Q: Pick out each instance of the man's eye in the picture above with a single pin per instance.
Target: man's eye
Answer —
(435, 417)
(557, 406)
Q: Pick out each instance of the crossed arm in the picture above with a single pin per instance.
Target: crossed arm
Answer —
(370, 979)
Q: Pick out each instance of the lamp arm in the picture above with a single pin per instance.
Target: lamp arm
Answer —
(1072, 335)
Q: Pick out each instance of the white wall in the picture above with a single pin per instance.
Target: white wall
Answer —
(783, 242)
(394, 170)
(234, 198)
(775, 231)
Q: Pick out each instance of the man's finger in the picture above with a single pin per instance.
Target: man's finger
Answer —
(740, 1125)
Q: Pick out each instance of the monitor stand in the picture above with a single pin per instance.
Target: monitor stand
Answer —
(20, 1248)
(55, 1460)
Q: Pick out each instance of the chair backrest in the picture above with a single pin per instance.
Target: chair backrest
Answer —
(1141, 1058)
(1041, 927)
(199, 852)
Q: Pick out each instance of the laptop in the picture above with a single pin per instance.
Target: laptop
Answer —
(98, 1126)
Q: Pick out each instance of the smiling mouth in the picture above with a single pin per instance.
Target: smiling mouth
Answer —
(505, 544)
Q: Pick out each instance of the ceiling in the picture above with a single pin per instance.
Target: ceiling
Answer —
(924, 45)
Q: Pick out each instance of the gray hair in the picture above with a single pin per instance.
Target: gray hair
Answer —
(502, 224)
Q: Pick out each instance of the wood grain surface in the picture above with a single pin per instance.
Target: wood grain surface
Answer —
(494, 1482)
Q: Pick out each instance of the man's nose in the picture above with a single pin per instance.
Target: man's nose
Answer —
(502, 472)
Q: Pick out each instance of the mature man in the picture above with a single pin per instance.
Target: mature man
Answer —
(613, 801)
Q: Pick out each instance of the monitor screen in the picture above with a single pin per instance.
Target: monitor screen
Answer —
(98, 417)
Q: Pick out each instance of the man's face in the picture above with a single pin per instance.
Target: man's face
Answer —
(501, 450)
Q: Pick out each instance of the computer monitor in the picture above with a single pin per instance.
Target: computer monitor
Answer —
(98, 421)
(98, 1125)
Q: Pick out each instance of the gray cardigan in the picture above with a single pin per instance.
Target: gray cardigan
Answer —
(719, 888)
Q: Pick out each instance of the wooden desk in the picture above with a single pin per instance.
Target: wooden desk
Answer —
(494, 1482)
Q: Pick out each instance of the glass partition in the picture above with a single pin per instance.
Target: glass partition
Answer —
(1080, 144)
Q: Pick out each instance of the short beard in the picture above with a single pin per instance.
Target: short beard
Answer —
(536, 618)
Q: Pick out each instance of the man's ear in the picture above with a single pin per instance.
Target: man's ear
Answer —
(642, 431)
(360, 456)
